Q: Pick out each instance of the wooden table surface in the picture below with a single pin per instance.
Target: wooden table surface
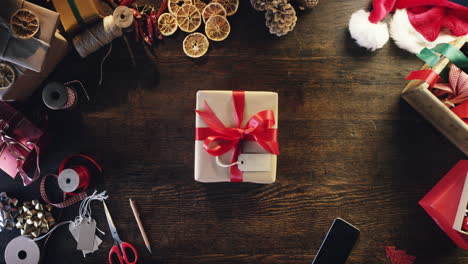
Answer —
(350, 148)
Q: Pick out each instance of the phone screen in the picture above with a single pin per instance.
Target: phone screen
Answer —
(337, 244)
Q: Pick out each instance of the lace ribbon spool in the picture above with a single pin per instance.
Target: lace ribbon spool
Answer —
(58, 96)
(103, 33)
(22, 250)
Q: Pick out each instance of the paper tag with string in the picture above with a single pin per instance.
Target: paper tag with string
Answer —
(254, 162)
(74, 231)
(86, 234)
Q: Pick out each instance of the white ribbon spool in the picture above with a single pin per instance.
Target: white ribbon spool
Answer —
(22, 250)
(68, 180)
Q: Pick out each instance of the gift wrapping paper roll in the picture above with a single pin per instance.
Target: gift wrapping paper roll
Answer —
(22, 250)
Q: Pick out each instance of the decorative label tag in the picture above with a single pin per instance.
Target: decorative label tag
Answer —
(86, 234)
(254, 162)
(74, 231)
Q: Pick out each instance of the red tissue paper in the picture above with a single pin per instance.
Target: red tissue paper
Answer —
(399, 256)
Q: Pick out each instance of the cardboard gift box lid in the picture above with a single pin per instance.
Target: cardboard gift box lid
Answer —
(76, 14)
(27, 53)
(206, 168)
(441, 203)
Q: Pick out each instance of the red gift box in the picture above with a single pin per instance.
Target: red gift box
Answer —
(20, 141)
(441, 203)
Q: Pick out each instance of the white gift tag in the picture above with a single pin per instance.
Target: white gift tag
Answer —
(74, 231)
(254, 162)
(86, 235)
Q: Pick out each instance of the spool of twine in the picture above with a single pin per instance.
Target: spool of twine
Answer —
(96, 37)
(123, 18)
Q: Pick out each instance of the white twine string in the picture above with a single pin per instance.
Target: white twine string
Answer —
(83, 213)
(97, 37)
(218, 161)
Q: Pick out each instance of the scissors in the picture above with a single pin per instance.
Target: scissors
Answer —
(120, 248)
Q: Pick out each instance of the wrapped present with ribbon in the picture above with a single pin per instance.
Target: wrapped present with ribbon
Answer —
(17, 46)
(20, 142)
(76, 15)
(26, 81)
(236, 136)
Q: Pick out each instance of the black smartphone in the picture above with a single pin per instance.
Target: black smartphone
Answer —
(338, 243)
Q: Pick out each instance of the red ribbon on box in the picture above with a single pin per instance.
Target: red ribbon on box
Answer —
(19, 151)
(219, 139)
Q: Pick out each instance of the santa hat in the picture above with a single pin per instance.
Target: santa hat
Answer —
(415, 25)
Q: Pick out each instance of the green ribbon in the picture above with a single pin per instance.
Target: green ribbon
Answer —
(76, 13)
(455, 55)
(430, 57)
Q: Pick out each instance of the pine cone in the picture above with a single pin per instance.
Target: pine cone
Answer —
(307, 4)
(280, 17)
(258, 5)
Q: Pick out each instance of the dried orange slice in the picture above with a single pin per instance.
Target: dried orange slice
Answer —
(24, 23)
(195, 45)
(174, 5)
(167, 24)
(217, 28)
(199, 4)
(231, 6)
(7, 76)
(213, 9)
(188, 18)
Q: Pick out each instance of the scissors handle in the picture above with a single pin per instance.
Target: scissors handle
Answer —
(125, 247)
(115, 251)
(121, 253)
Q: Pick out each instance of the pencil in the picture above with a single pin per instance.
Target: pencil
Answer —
(140, 225)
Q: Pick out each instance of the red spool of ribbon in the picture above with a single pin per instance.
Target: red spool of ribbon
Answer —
(74, 178)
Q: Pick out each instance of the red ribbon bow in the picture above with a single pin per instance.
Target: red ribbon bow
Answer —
(219, 139)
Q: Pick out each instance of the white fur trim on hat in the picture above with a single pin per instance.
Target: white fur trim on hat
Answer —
(406, 36)
(367, 35)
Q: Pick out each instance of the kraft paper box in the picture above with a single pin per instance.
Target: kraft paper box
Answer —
(221, 102)
(27, 53)
(27, 81)
(21, 130)
(77, 14)
(442, 202)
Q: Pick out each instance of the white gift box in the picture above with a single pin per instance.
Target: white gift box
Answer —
(207, 168)
(462, 210)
